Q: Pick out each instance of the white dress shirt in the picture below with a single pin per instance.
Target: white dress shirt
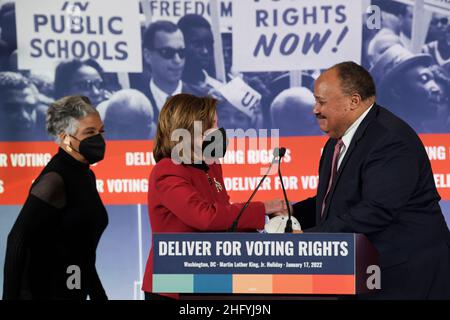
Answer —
(160, 96)
(348, 135)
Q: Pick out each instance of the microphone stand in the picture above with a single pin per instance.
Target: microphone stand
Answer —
(233, 227)
(288, 228)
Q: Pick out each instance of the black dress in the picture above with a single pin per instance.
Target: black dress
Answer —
(51, 249)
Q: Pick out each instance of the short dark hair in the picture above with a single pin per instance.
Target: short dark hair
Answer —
(13, 81)
(153, 28)
(66, 70)
(8, 6)
(355, 79)
(8, 24)
(190, 21)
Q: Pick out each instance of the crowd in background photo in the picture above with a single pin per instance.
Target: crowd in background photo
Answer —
(179, 57)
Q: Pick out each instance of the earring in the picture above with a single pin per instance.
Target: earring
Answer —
(68, 147)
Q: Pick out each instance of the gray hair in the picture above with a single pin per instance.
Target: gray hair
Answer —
(63, 115)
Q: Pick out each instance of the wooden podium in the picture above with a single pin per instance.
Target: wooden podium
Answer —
(253, 264)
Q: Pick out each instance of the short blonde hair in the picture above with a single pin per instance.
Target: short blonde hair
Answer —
(180, 112)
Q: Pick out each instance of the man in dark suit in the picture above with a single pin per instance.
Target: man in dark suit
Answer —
(375, 178)
(164, 53)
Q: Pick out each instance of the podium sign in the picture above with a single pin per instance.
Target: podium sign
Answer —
(313, 263)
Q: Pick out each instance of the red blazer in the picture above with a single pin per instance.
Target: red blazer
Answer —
(181, 198)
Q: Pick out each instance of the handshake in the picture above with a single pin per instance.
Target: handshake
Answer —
(276, 207)
(278, 212)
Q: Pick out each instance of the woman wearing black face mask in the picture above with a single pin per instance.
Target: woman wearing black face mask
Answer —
(186, 194)
(51, 248)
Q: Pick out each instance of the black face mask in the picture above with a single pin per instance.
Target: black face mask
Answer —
(92, 148)
(215, 144)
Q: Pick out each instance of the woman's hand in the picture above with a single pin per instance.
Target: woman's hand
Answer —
(275, 207)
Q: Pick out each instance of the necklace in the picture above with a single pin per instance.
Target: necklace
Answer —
(217, 184)
(209, 178)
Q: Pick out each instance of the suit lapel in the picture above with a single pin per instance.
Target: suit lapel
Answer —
(324, 175)
(358, 135)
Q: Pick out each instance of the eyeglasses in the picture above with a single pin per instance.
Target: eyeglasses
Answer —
(169, 53)
(90, 84)
(441, 21)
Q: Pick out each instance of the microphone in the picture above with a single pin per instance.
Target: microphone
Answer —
(281, 151)
(288, 228)
(276, 155)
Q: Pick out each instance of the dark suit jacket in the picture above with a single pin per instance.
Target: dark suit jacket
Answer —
(385, 189)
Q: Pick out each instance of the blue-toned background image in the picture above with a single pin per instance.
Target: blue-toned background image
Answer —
(147, 53)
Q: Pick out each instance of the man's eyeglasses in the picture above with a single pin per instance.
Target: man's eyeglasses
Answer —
(169, 53)
(90, 84)
(441, 21)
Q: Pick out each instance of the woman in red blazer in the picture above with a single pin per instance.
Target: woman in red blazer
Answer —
(185, 193)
